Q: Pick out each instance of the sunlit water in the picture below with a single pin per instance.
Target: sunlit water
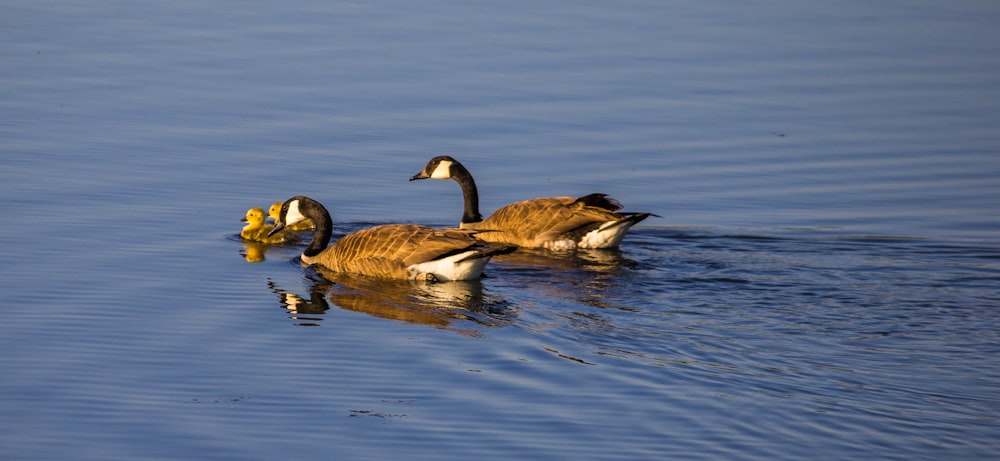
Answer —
(823, 281)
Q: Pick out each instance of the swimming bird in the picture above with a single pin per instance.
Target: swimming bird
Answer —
(556, 223)
(305, 225)
(257, 231)
(398, 251)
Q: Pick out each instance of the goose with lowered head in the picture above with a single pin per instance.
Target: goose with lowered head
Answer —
(305, 225)
(398, 251)
(557, 223)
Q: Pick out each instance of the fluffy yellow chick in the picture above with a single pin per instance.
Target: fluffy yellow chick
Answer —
(256, 230)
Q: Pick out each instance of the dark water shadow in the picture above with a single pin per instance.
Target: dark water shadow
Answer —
(459, 306)
(579, 276)
(606, 261)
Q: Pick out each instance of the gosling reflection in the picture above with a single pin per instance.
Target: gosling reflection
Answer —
(256, 252)
(438, 305)
(253, 252)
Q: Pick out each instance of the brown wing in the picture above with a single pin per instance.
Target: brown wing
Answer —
(600, 201)
(434, 244)
(522, 223)
(387, 250)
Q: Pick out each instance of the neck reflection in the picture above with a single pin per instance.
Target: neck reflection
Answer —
(458, 306)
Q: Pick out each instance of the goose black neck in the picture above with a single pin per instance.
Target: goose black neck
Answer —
(324, 225)
(469, 193)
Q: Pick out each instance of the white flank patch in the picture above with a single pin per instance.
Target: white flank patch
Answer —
(606, 236)
(293, 216)
(442, 170)
(559, 245)
(447, 270)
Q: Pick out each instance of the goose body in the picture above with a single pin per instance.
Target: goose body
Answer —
(556, 223)
(398, 251)
(305, 225)
(256, 231)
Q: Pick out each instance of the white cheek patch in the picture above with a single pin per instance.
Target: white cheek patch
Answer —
(293, 216)
(442, 170)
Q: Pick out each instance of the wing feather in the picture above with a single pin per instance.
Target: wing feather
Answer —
(388, 250)
(529, 222)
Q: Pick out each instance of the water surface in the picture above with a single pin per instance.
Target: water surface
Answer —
(823, 280)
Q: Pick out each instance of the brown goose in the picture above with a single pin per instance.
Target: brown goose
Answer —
(556, 223)
(398, 251)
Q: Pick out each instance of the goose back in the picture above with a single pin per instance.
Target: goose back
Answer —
(559, 223)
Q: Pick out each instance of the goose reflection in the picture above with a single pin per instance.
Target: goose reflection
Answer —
(438, 305)
(594, 261)
(307, 312)
(587, 276)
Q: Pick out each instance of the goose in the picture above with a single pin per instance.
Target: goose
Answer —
(556, 223)
(257, 231)
(305, 225)
(398, 251)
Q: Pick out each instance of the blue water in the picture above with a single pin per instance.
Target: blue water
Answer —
(823, 280)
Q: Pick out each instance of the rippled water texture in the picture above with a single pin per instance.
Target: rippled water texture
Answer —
(822, 281)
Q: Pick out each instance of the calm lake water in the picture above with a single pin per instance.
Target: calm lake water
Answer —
(823, 282)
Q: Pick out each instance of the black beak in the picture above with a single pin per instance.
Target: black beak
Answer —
(278, 226)
(417, 176)
(243, 219)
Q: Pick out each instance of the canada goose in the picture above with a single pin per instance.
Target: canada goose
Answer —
(257, 231)
(305, 225)
(556, 223)
(399, 251)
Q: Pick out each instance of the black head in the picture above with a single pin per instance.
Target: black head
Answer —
(291, 213)
(440, 167)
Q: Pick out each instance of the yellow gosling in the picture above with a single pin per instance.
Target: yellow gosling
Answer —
(257, 231)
